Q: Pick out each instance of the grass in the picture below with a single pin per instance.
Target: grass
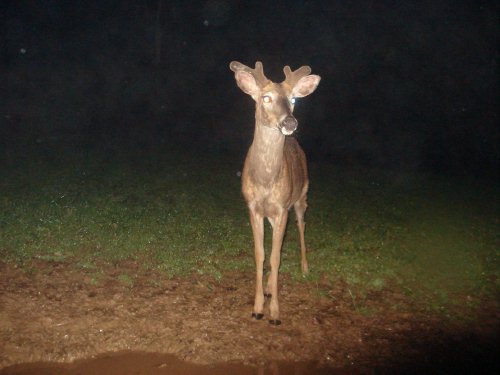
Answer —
(436, 239)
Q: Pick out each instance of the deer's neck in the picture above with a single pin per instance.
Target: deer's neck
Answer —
(265, 157)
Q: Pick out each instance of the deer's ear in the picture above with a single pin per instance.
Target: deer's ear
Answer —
(246, 82)
(306, 86)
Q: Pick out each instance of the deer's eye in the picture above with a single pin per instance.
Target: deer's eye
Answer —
(292, 100)
(267, 99)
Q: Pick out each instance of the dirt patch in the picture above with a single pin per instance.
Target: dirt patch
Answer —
(60, 313)
(133, 363)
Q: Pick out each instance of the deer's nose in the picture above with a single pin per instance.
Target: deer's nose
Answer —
(288, 125)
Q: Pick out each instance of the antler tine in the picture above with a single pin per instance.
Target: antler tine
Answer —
(292, 77)
(259, 75)
(257, 72)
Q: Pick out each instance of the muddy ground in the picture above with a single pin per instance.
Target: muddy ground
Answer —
(58, 312)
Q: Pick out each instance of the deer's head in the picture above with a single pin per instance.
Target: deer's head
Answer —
(275, 101)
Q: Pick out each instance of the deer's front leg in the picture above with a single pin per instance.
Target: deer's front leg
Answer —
(257, 222)
(279, 226)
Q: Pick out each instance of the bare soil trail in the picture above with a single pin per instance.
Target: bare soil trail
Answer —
(60, 313)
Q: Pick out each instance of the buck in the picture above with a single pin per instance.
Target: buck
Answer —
(274, 176)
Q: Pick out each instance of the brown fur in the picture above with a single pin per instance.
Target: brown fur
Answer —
(274, 176)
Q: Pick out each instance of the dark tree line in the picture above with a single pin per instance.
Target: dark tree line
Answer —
(405, 84)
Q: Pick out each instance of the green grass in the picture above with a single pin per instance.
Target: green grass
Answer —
(176, 216)
(435, 239)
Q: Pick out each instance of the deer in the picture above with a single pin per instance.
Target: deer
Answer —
(274, 176)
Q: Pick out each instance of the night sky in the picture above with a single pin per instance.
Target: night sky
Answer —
(410, 85)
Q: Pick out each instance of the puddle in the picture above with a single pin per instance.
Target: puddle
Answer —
(128, 363)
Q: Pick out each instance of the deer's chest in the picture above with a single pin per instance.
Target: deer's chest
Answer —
(266, 199)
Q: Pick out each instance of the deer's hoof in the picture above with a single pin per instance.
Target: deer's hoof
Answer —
(305, 270)
(275, 322)
(257, 316)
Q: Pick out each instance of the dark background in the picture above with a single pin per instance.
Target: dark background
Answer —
(406, 85)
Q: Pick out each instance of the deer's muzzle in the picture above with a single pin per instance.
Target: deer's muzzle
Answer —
(288, 125)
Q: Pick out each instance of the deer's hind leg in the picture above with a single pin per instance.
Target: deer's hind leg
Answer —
(300, 208)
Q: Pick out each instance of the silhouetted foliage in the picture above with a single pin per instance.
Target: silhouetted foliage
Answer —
(410, 85)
